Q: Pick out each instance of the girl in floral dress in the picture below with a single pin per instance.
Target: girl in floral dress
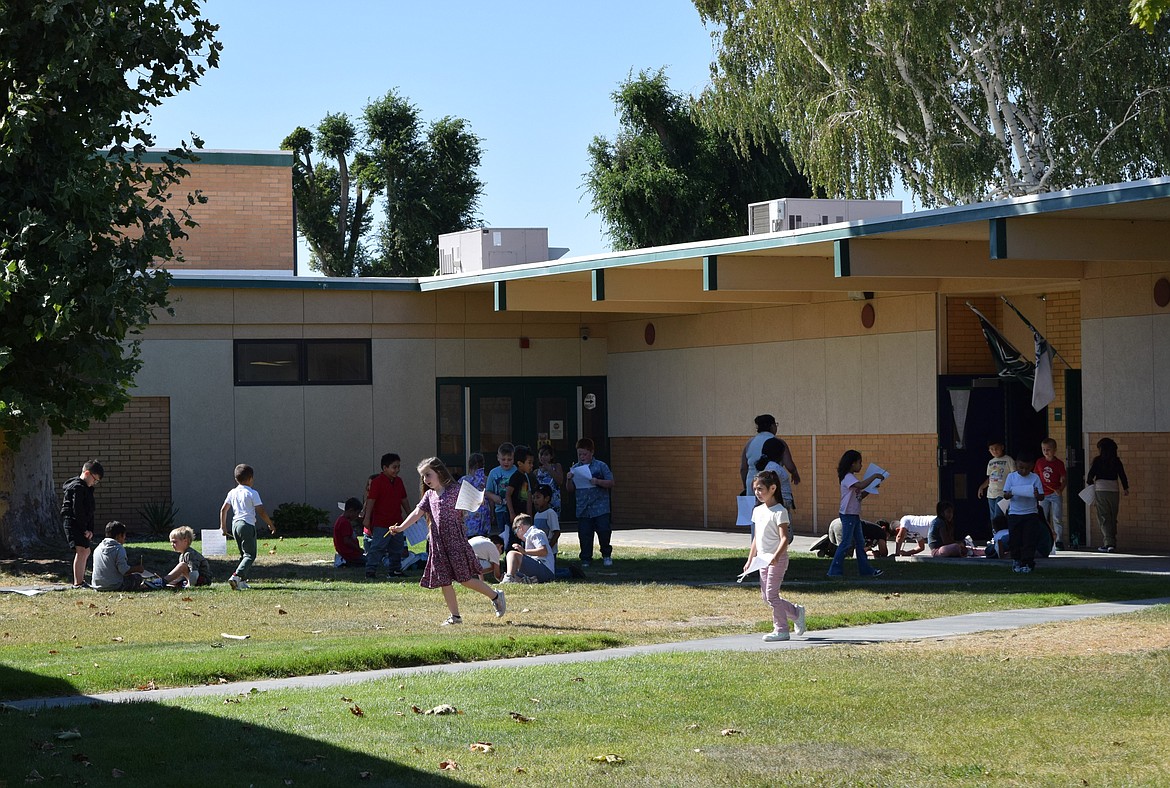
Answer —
(449, 555)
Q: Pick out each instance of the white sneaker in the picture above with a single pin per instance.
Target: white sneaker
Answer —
(452, 620)
(499, 603)
(775, 636)
(238, 583)
(509, 579)
(338, 561)
(607, 561)
(800, 625)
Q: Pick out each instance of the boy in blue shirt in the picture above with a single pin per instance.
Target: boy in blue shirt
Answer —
(593, 509)
(1023, 491)
(496, 487)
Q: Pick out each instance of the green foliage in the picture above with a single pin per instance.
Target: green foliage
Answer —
(159, 517)
(672, 175)
(961, 100)
(425, 179)
(81, 229)
(298, 518)
(1146, 13)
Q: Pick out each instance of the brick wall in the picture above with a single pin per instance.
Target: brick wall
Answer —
(967, 352)
(1063, 331)
(134, 447)
(1141, 519)
(660, 479)
(247, 221)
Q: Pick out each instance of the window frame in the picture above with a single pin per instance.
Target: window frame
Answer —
(303, 348)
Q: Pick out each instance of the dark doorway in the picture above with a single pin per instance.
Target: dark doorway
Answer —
(973, 410)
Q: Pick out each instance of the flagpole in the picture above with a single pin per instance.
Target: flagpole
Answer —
(1020, 314)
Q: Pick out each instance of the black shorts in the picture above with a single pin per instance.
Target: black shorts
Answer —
(75, 536)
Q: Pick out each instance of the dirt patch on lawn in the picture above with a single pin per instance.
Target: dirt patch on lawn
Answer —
(1123, 634)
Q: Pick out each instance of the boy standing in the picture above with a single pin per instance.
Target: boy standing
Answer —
(345, 543)
(533, 559)
(497, 482)
(1053, 477)
(998, 468)
(592, 480)
(518, 492)
(111, 567)
(386, 505)
(193, 568)
(245, 506)
(77, 509)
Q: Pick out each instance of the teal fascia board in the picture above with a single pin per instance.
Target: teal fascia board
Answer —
(294, 283)
(237, 158)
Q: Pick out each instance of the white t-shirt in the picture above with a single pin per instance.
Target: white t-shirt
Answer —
(485, 550)
(767, 522)
(534, 539)
(998, 469)
(549, 522)
(850, 500)
(243, 500)
(917, 524)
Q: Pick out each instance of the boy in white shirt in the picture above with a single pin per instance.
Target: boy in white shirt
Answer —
(487, 550)
(244, 505)
(534, 560)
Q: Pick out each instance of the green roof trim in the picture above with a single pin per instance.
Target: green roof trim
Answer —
(245, 158)
(294, 283)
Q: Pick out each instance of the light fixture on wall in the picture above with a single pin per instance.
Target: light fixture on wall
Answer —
(584, 333)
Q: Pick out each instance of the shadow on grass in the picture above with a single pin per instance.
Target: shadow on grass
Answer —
(144, 743)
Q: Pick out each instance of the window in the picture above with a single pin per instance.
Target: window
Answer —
(302, 362)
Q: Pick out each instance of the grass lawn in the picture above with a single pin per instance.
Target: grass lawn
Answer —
(1062, 705)
(303, 616)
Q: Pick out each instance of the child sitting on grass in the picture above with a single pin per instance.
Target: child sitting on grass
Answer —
(345, 543)
(193, 569)
(533, 561)
(111, 566)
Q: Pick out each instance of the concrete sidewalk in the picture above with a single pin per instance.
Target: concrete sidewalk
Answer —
(950, 626)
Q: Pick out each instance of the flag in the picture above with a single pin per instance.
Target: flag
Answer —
(1009, 362)
(1043, 390)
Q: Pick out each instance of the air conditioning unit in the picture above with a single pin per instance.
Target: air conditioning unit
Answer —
(794, 213)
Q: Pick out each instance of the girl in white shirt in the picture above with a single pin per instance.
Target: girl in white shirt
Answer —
(771, 539)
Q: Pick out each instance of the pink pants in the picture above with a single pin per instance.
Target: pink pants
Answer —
(952, 550)
(770, 579)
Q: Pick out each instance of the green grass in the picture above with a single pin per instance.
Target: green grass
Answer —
(304, 617)
(885, 715)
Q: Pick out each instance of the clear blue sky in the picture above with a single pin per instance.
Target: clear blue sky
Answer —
(533, 79)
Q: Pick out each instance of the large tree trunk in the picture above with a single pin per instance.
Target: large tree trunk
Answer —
(29, 521)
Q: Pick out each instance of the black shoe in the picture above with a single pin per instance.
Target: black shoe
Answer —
(396, 573)
(877, 573)
(371, 576)
(1060, 545)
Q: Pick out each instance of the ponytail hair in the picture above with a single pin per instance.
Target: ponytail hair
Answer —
(845, 464)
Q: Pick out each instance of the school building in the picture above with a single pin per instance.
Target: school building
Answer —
(854, 335)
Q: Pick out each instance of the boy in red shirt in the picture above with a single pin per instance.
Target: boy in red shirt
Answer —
(345, 543)
(1053, 477)
(386, 506)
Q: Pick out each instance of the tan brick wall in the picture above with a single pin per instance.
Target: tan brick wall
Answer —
(967, 352)
(1141, 519)
(660, 479)
(1063, 331)
(247, 221)
(134, 447)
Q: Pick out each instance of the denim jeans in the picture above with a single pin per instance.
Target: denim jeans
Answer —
(852, 539)
(244, 533)
(1053, 507)
(993, 509)
(586, 527)
(380, 544)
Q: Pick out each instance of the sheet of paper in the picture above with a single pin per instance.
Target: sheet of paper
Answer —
(1003, 505)
(744, 506)
(1088, 495)
(470, 497)
(581, 475)
(872, 489)
(213, 542)
(417, 532)
(1024, 491)
(758, 563)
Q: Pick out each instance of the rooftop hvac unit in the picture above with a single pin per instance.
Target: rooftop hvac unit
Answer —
(793, 213)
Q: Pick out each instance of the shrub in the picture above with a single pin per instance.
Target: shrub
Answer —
(159, 517)
(298, 518)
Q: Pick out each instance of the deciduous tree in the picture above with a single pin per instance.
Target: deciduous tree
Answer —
(667, 177)
(83, 221)
(963, 100)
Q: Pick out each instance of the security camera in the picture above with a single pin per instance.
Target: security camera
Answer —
(584, 333)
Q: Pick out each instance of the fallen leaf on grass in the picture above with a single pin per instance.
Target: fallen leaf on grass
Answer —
(443, 708)
(117, 773)
(525, 610)
(197, 615)
(150, 685)
(117, 639)
(578, 678)
(363, 775)
(481, 746)
(272, 551)
(694, 726)
(188, 599)
(399, 714)
(535, 700)
(52, 651)
(730, 732)
(416, 709)
(34, 777)
(609, 758)
(82, 758)
(520, 717)
(448, 766)
(356, 711)
(234, 637)
(280, 611)
(231, 700)
(520, 770)
(346, 700)
(68, 735)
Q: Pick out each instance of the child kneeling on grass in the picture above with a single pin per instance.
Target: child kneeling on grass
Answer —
(192, 569)
(534, 562)
(111, 566)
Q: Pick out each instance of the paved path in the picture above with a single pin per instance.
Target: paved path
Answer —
(927, 629)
